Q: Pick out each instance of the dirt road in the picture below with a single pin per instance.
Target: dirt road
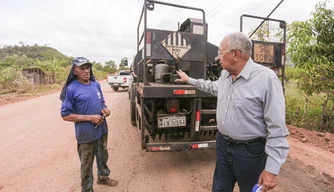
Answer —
(38, 153)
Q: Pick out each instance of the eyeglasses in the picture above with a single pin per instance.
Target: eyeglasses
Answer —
(220, 54)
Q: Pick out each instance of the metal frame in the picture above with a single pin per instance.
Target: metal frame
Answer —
(284, 36)
(140, 39)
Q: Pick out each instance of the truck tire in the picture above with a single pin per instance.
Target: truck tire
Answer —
(133, 113)
(115, 88)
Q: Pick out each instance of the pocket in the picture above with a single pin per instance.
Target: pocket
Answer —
(240, 109)
(248, 108)
(255, 149)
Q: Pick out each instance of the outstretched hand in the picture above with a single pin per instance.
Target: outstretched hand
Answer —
(184, 77)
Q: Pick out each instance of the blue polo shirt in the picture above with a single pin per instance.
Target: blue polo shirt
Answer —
(85, 99)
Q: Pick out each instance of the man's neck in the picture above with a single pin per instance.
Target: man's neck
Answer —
(83, 81)
(238, 68)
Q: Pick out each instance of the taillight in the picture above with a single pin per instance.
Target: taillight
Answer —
(172, 105)
(124, 80)
(198, 115)
(198, 119)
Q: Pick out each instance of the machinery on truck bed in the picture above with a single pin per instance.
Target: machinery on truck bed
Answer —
(173, 116)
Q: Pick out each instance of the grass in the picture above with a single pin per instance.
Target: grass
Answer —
(295, 103)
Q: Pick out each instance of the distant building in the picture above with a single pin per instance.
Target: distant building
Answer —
(34, 75)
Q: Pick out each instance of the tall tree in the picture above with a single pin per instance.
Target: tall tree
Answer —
(110, 66)
(312, 49)
(267, 32)
(124, 62)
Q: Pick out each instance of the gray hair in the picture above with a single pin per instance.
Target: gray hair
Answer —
(238, 40)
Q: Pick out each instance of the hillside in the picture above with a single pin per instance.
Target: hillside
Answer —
(34, 52)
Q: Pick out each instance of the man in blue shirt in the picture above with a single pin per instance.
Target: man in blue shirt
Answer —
(83, 104)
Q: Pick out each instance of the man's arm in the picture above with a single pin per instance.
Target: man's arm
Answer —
(201, 84)
(277, 146)
(96, 119)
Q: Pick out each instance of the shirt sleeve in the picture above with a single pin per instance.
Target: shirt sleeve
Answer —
(205, 85)
(277, 146)
(67, 106)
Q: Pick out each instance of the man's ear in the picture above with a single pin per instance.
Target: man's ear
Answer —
(75, 71)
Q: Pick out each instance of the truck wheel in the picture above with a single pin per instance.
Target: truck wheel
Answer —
(133, 113)
(115, 88)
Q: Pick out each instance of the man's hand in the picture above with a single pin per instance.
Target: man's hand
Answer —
(183, 75)
(267, 180)
(96, 119)
(105, 112)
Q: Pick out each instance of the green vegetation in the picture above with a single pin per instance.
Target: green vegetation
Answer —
(309, 88)
(311, 44)
(54, 64)
(33, 52)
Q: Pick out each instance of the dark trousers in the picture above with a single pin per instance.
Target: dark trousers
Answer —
(86, 152)
(241, 163)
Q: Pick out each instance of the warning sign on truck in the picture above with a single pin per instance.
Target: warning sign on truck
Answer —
(176, 45)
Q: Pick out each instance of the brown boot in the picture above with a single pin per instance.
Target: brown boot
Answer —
(108, 182)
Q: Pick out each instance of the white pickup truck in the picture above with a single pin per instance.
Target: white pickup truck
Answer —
(122, 79)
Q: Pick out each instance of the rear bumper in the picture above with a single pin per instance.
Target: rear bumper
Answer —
(180, 146)
(118, 85)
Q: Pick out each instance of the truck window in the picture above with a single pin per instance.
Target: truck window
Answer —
(124, 73)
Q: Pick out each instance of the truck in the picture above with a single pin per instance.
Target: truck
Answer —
(121, 80)
(173, 116)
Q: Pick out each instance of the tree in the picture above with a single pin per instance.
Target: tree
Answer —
(51, 68)
(110, 66)
(267, 32)
(21, 43)
(312, 49)
(124, 62)
(97, 66)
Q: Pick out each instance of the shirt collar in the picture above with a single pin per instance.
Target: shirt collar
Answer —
(246, 71)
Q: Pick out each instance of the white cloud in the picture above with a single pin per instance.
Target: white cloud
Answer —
(103, 30)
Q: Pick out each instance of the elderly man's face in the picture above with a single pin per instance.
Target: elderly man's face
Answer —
(225, 55)
(82, 72)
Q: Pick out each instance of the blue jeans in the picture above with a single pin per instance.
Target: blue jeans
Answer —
(241, 163)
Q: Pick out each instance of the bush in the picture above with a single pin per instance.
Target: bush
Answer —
(13, 80)
(295, 103)
(292, 73)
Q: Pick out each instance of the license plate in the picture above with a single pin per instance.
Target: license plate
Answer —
(172, 121)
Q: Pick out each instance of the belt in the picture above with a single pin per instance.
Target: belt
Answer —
(243, 142)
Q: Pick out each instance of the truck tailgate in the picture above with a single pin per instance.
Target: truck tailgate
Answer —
(115, 79)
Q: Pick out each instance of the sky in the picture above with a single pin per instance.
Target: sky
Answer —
(104, 30)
